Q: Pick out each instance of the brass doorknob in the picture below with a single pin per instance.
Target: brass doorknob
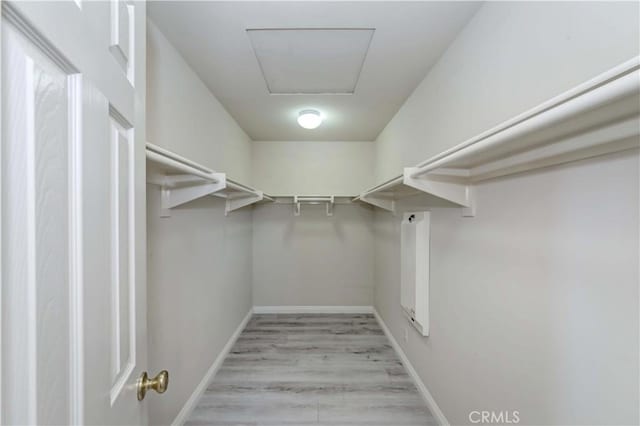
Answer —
(158, 383)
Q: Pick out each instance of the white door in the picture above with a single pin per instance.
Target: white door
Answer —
(72, 212)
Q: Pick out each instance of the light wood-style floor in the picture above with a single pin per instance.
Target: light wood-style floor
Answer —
(311, 369)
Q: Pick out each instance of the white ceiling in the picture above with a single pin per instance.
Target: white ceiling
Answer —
(311, 61)
(242, 68)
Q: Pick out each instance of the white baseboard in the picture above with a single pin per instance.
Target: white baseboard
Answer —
(426, 395)
(188, 407)
(313, 309)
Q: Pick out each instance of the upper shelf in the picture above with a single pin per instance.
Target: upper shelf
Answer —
(598, 117)
(420, 193)
(183, 180)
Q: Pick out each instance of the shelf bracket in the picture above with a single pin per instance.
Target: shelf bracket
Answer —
(388, 204)
(172, 181)
(298, 200)
(174, 196)
(457, 193)
(470, 210)
(235, 202)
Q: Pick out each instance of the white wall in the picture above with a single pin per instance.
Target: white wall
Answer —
(313, 168)
(535, 300)
(509, 58)
(186, 118)
(312, 259)
(199, 290)
(199, 261)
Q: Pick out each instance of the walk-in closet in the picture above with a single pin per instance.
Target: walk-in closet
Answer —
(391, 213)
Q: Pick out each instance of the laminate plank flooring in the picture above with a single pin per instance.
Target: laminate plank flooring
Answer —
(312, 369)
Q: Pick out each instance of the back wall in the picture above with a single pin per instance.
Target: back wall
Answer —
(312, 259)
(313, 168)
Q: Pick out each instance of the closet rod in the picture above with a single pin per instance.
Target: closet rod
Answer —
(240, 187)
(384, 186)
(170, 162)
(179, 158)
(244, 188)
(610, 86)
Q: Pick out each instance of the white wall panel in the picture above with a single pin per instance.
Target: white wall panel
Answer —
(313, 168)
(533, 302)
(312, 259)
(184, 117)
(510, 57)
(199, 291)
(199, 261)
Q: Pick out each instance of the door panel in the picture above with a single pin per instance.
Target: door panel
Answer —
(73, 329)
(121, 29)
(36, 107)
(48, 110)
(77, 34)
(123, 343)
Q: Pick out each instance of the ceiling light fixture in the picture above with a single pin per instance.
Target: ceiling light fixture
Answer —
(309, 118)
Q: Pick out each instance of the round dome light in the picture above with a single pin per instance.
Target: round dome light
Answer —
(309, 119)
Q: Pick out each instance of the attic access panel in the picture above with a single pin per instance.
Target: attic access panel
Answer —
(311, 61)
